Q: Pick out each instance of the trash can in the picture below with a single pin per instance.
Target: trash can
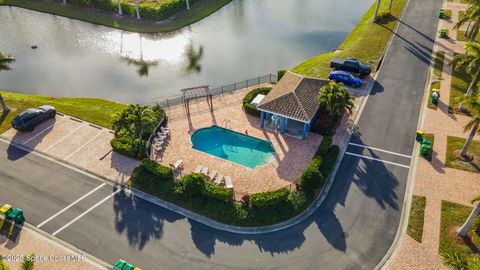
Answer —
(424, 149)
(444, 33)
(442, 13)
(419, 136)
(435, 95)
(426, 142)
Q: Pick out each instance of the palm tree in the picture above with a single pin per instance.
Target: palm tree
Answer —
(188, 4)
(472, 14)
(462, 231)
(335, 99)
(470, 60)
(136, 9)
(390, 6)
(472, 104)
(120, 11)
(376, 10)
(4, 65)
(28, 262)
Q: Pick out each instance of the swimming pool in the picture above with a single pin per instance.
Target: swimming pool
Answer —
(233, 146)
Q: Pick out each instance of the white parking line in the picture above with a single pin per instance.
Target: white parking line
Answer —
(70, 205)
(41, 132)
(381, 150)
(377, 159)
(89, 141)
(86, 212)
(57, 142)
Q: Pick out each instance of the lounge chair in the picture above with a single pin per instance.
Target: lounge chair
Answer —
(165, 129)
(228, 182)
(157, 147)
(177, 165)
(204, 171)
(198, 169)
(212, 174)
(218, 179)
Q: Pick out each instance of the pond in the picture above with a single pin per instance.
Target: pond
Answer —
(243, 40)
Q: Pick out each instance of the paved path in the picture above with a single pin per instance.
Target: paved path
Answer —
(353, 229)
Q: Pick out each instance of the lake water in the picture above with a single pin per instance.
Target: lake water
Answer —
(243, 40)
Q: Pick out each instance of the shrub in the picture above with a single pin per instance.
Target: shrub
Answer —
(311, 178)
(123, 145)
(163, 172)
(280, 74)
(324, 146)
(299, 199)
(103, 4)
(249, 108)
(127, 8)
(329, 160)
(217, 192)
(269, 198)
(141, 178)
(193, 183)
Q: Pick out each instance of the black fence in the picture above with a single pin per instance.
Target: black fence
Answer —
(269, 78)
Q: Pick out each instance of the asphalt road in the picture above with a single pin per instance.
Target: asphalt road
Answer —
(353, 229)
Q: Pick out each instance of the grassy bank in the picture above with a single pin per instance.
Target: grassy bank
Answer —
(454, 146)
(416, 219)
(97, 111)
(198, 11)
(366, 42)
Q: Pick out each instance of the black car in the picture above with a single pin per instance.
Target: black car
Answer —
(27, 120)
(351, 65)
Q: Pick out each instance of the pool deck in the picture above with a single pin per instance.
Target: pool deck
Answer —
(292, 156)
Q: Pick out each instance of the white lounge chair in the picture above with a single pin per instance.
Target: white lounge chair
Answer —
(177, 165)
(198, 169)
(165, 129)
(204, 171)
(228, 182)
(157, 147)
(218, 179)
(212, 174)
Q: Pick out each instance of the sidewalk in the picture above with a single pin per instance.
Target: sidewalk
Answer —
(433, 180)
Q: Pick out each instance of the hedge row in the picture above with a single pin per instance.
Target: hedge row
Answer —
(100, 4)
(128, 147)
(163, 172)
(269, 198)
(249, 108)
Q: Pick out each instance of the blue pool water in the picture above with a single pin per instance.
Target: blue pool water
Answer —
(233, 146)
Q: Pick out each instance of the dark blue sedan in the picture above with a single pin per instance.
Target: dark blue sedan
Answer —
(345, 77)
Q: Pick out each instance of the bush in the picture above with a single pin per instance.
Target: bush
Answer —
(329, 160)
(299, 199)
(123, 145)
(311, 178)
(217, 192)
(163, 172)
(103, 4)
(280, 74)
(250, 96)
(127, 8)
(193, 183)
(141, 178)
(269, 198)
(324, 146)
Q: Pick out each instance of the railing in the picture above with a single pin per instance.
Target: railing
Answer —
(269, 78)
(148, 147)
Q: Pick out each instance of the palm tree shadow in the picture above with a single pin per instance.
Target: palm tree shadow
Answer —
(3, 117)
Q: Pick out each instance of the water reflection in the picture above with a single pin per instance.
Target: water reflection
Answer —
(243, 40)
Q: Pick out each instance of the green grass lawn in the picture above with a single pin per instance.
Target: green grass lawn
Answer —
(431, 137)
(459, 85)
(448, 13)
(461, 37)
(433, 85)
(438, 64)
(454, 146)
(416, 219)
(453, 216)
(366, 42)
(198, 11)
(96, 111)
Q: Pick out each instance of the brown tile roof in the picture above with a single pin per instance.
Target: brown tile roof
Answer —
(294, 96)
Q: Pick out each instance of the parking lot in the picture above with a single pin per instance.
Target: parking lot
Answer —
(79, 143)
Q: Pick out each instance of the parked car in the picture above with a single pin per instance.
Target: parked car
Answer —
(351, 65)
(345, 77)
(27, 120)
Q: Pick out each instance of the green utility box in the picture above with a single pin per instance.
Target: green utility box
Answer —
(435, 95)
(444, 33)
(419, 136)
(442, 13)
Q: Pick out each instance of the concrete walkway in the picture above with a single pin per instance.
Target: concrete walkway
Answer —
(433, 180)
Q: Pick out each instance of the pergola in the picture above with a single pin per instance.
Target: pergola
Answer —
(196, 93)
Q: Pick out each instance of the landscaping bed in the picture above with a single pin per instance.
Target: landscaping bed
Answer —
(194, 192)
(366, 42)
(416, 219)
(93, 110)
(181, 16)
(431, 137)
(460, 36)
(453, 216)
(454, 146)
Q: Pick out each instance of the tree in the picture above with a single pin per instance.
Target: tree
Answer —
(377, 8)
(28, 262)
(335, 99)
(470, 60)
(136, 10)
(390, 6)
(120, 11)
(462, 231)
(472, 14)
(472, 104)
(4, 65)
